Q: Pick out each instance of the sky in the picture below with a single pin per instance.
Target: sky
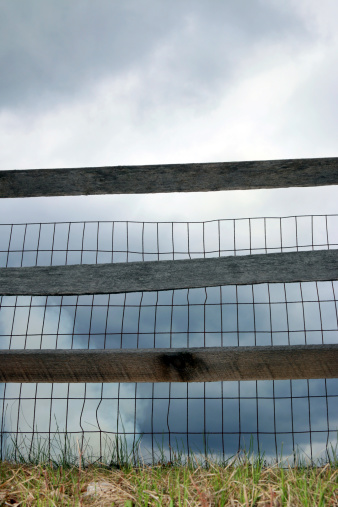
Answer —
(110, 83)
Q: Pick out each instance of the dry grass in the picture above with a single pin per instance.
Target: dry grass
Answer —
(244, 483)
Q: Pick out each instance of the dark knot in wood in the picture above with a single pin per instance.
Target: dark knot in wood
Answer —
(182, 366)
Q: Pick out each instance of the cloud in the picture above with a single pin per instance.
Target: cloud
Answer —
(55, 51)
(199, 84)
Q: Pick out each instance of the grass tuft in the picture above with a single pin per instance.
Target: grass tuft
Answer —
(124, 479)
(241, 482)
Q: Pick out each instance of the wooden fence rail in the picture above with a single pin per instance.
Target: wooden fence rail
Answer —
(320, 265)
(170, 365)
(169, 178)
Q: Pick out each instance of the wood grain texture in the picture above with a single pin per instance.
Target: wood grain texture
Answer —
(174, 365)
(169, 178)
(163, 275)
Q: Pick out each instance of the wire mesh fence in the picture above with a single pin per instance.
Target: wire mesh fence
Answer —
(44, 244)
(162, 418)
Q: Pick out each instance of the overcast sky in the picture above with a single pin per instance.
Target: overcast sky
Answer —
(107, 83)
(143, 82)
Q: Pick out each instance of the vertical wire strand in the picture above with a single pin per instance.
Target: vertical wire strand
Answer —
(250, 237)
(26, 333)
(188, 234)
(127, 241)
(153, 385)
(36, 384)
(273, 382)
(119, 383)
(97, 242)
(291, 385)
(238, 382)
(82, 241)
(169, 393)
(23, 246)
(52, 249)
(188, 345)
(288, 332)
(255, 342)
(307, 380)
(2, 440)
(112, 243)
(52, 385)
(157, 242)
(67, 246)
(38, 245)
(12, 328)
(9, 245)
(325, 380)
(326, 398)
(271, 342)
(326, 395)
(136, 384)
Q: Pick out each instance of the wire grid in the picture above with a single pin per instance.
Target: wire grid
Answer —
(60, 243)
(206, 418)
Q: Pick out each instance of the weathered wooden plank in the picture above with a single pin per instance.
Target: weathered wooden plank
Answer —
(169, 178)
(175, 365)
(164, 275)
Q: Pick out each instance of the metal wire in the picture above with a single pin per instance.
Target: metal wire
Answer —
(219, 417)
(59, 243)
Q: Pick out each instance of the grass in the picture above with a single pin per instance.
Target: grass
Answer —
(245, 479)
(243, 483)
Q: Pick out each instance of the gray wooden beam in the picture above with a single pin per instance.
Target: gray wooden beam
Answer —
(169, 178)
(175, 365)
(163, 275)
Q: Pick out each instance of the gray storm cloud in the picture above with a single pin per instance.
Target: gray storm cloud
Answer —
(53, 51)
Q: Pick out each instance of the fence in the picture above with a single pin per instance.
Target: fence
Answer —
(173, 361)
